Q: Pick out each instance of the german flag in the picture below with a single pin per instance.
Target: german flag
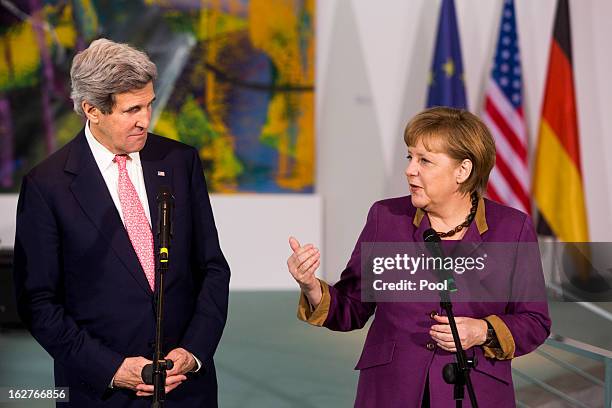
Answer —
(557, 185)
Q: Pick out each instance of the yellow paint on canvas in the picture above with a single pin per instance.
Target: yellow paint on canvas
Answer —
(226, 166)
(20, 44)
(213, 24)
(273, 29)
(64, 30)
(166, 125)
(301, 173)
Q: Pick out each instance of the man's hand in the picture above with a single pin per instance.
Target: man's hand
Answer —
(472, 332)
(183, 360)
(129, 375)
(172, 381)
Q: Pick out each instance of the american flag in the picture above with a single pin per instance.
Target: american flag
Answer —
(503, 114)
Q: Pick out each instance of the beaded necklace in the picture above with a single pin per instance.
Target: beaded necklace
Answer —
(466, 223)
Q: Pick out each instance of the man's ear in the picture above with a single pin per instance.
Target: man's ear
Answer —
(91, 112)
(464, 170)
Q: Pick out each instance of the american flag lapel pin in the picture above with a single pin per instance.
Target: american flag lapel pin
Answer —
(161, 173)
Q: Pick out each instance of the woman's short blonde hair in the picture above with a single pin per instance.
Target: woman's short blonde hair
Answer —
(461, 135)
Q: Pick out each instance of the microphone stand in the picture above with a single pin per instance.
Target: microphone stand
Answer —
(457, 373)
(453, 373)
(160, 365)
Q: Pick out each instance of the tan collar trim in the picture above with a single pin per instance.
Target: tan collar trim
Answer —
(480, 218)
(418, 216)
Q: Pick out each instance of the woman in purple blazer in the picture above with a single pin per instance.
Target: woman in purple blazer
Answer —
(450, 156)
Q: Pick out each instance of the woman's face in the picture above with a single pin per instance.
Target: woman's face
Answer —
(433, 177)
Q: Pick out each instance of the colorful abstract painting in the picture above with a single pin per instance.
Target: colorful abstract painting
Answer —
(236, 81)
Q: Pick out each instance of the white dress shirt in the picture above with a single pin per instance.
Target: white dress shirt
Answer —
(110, 172)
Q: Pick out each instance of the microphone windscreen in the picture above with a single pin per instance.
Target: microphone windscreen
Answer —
(431, 236)
(164, 194)
(147, 374)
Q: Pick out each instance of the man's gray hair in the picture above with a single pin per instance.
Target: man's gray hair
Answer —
(107, 68)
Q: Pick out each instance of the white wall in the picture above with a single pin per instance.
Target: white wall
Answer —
(8, 208)
(253, 231)
(372, 67)
(373, 61)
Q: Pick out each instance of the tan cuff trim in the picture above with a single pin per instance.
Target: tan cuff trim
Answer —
(317, 316)
(506, 341)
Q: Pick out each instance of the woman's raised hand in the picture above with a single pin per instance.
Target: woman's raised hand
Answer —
(302, 264)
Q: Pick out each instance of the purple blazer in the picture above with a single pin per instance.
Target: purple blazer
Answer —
(399, 354)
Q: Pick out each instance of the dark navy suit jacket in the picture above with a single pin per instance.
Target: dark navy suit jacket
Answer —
(80, 287)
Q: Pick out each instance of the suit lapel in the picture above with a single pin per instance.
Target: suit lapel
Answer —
(472, 235)
(470, 242)
(91, 192)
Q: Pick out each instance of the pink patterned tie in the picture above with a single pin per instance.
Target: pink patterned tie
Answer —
(136, 222)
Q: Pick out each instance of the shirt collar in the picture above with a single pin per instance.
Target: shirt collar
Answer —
(480, 218)
(104, 157)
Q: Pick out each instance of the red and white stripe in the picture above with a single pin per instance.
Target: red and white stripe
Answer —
(509, 182)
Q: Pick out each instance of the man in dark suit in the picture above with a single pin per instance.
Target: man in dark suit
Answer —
(84, 247)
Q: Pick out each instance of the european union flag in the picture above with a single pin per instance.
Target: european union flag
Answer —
(446, 86)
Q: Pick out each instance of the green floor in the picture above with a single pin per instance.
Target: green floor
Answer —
(267, 358)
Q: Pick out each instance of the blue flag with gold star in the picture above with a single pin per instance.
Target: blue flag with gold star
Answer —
(446, 86)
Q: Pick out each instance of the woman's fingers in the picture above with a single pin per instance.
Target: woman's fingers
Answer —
(297, 248)
(311, 270)
(305, 273)
(442, 334)
(304, 252)
(304, 256)
(309, 259)
(299, 254)
(450, 347)
(441, 319)
(303, 262)
(442, 328)
(299, 262)
(294, 244)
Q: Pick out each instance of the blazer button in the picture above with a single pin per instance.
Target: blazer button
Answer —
(430, 346)
(433, 314)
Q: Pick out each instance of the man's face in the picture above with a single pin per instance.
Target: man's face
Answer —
(124, 130)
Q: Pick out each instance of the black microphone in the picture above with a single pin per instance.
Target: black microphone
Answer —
(165, 206)
(147, 371)
(432, 242)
